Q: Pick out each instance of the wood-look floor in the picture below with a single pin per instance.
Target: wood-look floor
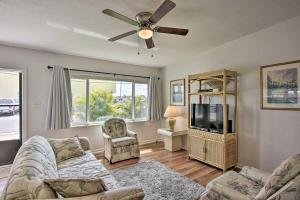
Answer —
(178, 161)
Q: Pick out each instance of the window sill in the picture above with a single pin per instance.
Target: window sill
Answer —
(102, 123)
(86, 125)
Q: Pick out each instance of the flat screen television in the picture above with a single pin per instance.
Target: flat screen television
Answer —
(209, 117)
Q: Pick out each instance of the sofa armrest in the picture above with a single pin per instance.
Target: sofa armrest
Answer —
(218, 191)
(85, 143)
(256, 175)
(106, 137)
(107, 143)
(291, 190)
(131, 134)
(123, 193)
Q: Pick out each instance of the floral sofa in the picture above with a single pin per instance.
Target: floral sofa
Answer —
(254, 184)
(36, 161)
(119, 143)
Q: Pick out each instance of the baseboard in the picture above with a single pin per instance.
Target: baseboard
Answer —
(100, 151)
(150, 141)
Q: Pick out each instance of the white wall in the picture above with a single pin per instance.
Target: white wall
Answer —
(37, 82)
(266, 137)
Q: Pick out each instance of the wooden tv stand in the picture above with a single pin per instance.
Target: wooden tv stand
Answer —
(219, 150)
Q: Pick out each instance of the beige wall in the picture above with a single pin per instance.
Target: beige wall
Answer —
(266, 137)
(36, 87)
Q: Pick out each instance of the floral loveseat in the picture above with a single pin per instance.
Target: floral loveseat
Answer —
(36, 161)
(254, 184)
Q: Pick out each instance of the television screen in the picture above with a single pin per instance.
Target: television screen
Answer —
(200, 115)
(209, 117)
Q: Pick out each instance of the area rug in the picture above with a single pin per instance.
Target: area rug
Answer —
(158, 181)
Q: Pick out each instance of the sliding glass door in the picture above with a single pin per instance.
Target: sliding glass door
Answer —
(10, 114)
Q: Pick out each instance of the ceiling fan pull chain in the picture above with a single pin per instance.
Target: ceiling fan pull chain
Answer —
(152, 49)
(138, 52)
(138, 43)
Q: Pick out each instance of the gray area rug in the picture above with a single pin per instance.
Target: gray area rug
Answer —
(158, 181)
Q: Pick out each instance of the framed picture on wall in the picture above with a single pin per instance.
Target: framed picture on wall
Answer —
(177, 92)
(280, 86)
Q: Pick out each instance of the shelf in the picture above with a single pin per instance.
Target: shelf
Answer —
(211, 93)
(219, 74)
(192, 80)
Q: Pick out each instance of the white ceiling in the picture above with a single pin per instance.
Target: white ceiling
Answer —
(78, 27)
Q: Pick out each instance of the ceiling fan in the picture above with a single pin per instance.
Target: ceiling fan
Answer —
(144, 20)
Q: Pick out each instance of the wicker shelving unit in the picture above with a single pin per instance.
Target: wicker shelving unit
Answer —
(219, 150)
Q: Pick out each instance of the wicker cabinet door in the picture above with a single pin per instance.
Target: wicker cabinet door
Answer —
(214, 153)
(197, 147)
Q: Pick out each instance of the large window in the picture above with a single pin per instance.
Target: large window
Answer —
(95, 100)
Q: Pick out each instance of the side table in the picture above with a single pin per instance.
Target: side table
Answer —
(172, 139)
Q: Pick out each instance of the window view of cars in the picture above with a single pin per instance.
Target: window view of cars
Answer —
(9, 106)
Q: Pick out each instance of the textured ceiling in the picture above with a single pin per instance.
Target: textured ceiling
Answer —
(78, 27)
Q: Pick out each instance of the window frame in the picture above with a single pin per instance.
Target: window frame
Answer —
(87, 97)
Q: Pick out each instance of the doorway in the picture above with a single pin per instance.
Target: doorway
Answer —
(10, 114)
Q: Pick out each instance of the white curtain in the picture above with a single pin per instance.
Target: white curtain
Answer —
(154, 99)
(60, 100)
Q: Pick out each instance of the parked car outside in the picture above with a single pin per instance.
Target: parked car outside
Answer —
(8, 106)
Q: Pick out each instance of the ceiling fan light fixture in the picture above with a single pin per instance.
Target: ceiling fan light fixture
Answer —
(145, 33)
(144, 21)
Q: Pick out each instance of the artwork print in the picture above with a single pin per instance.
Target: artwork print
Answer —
(280, 86)
(177, 92)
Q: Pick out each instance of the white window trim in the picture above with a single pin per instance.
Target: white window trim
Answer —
(133, 81)
(74, 125)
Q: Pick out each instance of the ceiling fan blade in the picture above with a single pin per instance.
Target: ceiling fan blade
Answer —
(120, 16)
(163, 9)
(122, 35)
(149, 43)
(170, 30)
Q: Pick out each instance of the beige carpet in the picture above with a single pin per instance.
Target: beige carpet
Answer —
(158, 181)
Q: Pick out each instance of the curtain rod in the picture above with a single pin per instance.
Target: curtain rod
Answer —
(115, 74)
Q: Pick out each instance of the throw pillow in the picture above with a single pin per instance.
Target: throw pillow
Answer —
(285, 172)
(66, 148)
(69, 187)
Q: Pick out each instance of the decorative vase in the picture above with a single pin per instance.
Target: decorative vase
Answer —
(172, 122)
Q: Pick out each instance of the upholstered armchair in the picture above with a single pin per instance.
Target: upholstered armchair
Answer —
(255, 184)
(119, 143)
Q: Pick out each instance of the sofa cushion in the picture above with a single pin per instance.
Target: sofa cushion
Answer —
(88, 169)
(232, 183)
(89, 156)
(123, 141)
(92, 169)
(76, 187)
(115, 127)
(66, 148)
(85, 143)
(285, 172)
(34, 162)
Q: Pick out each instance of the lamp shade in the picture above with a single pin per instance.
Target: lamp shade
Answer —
(171, 111)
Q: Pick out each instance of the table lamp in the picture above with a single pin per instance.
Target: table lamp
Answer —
(171, 113)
